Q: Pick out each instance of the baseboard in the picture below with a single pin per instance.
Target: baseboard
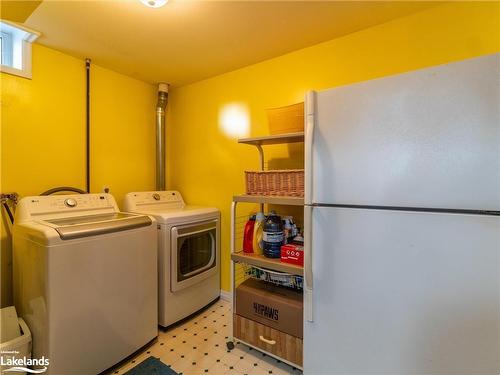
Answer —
(226, 296)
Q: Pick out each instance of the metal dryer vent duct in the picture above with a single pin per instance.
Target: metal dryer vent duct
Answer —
(161, 105)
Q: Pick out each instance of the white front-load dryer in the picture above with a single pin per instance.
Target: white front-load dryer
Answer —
(85, 280)
(188, 252)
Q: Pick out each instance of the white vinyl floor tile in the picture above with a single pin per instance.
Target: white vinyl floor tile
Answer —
(198, 347)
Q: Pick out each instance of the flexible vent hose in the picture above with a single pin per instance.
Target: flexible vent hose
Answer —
(161, 105)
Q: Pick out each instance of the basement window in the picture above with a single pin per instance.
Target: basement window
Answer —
(15, 47)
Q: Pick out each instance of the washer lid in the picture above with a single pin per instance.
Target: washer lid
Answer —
(180, 215)
(92, 225)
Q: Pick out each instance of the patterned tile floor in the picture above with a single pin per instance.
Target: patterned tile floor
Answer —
(198, 346)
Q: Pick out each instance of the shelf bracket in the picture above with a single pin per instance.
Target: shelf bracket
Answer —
(261, 156)
(261, 161)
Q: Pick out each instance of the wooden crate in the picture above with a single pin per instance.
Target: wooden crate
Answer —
(266, 338)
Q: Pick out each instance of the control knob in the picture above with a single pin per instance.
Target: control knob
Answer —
(70, 202)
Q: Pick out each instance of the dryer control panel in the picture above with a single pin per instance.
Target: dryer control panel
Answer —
(167, 199)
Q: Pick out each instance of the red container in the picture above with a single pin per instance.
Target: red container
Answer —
(248, 235)
(294, 254)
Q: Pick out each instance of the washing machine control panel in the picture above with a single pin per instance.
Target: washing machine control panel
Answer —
(83, 201)
(64, 203)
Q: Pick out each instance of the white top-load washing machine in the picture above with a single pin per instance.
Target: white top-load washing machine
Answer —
(84, 280)
(188, 252)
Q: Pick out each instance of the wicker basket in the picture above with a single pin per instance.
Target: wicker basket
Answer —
(289, 182)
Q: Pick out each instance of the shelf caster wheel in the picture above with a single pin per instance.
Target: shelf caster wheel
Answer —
(230, 345)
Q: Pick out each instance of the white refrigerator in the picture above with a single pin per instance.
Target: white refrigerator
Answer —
(402, 252)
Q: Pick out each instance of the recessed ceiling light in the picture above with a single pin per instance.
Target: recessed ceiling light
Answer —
(154, 3)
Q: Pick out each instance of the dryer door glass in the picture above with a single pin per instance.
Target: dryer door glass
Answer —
(195, 255)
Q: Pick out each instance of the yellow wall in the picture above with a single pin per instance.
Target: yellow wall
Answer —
(207, 166)
(43, 119)
(43, 134)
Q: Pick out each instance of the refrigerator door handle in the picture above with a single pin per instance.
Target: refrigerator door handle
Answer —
(308, 267)
(310, 106)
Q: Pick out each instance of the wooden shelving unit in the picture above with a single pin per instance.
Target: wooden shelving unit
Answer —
(268, 199)
(273, 139)
(238, 257)
(269, 263)
(277, 139)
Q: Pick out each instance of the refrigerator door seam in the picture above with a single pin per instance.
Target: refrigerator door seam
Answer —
(414, 209)
(308, 266)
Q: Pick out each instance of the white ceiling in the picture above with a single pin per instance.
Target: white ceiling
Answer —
(186, 41)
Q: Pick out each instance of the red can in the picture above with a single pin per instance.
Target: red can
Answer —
(294, 254)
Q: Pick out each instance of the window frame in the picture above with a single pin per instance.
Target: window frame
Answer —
(6, 48)
(16, 47)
